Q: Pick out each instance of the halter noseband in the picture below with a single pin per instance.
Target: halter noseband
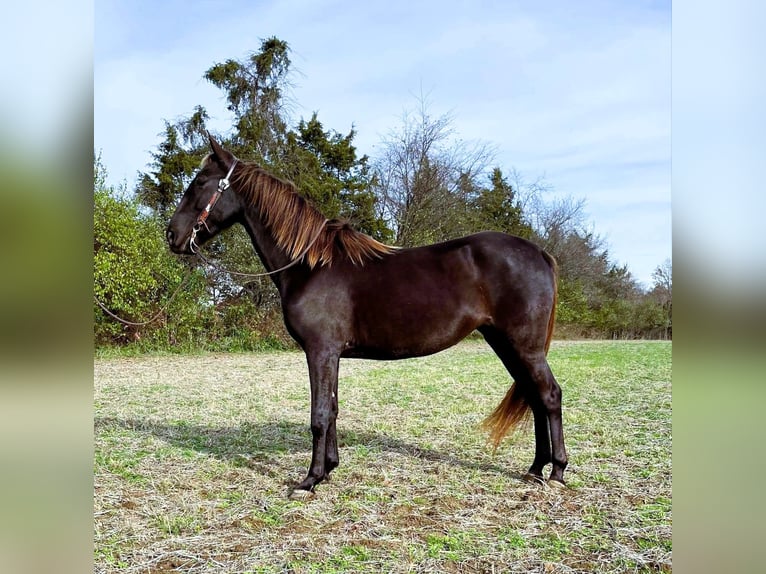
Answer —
(223, 185)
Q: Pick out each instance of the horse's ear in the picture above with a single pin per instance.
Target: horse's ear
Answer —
(225, 157)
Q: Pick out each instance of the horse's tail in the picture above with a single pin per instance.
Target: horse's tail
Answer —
(514, 408)
(552, 319)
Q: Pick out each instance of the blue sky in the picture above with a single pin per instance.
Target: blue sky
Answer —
(575, 92)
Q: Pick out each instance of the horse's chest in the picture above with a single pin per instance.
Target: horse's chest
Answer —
(313, 309)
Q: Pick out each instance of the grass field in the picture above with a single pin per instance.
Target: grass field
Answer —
(194, 456)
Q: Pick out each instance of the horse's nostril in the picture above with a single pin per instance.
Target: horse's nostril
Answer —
(170, 236)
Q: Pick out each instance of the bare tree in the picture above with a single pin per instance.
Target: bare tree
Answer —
(663, 279)
(530, 195)
(564, 231)
(663, 292)
(425, 176)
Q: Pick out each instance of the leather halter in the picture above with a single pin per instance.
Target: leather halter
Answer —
(223, 185)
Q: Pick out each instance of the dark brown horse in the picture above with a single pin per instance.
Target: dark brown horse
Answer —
(346, 295)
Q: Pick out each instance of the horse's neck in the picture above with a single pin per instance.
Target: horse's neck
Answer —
(271, 255)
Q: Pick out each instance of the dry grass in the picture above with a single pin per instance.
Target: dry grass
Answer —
(195, 455)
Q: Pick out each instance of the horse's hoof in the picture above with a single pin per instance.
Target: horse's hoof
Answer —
(534, 479)
(300, 494)
(557, 484)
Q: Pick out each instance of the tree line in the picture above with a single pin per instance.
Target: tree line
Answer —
(426, 185)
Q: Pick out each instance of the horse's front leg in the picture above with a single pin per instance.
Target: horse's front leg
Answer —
(332, 459)
(323, 375)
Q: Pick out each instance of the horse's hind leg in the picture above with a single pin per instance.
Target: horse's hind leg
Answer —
(545, 400)
(542, 394)
(543, 454)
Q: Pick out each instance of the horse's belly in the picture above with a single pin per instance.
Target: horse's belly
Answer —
(406, 331)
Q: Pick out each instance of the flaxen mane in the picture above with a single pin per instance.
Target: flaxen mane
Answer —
(294, 222)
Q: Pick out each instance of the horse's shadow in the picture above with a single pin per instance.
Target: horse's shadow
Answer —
(257, 445)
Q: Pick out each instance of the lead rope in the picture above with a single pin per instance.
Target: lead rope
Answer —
(295, 261)
(156, 316)
(215, 265)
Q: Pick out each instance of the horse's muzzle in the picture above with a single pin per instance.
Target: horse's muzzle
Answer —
(180, 247)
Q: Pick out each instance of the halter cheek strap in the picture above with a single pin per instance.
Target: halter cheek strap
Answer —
(223, 185)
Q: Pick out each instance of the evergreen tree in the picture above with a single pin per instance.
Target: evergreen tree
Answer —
(325, 167)
(256, 89)
(499, 209)
(175, 161)
(323, 164)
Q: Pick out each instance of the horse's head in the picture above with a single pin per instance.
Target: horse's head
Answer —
(207, 206)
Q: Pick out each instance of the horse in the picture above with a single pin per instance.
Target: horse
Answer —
(346, 295)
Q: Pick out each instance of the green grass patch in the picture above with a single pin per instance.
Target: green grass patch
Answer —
(195, 455)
